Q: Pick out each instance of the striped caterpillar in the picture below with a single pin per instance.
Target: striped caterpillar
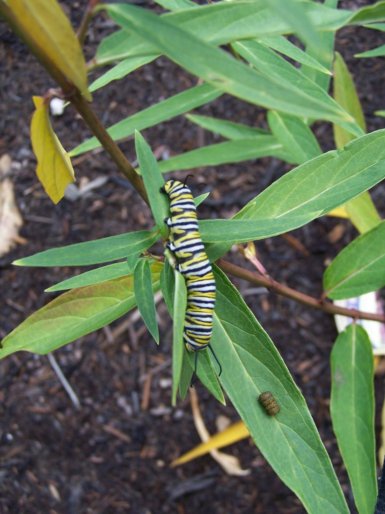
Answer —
(186, 245)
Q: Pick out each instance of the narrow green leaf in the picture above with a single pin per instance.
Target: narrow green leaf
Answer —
(162, 111)
(93, 252)
(221, 23)
(359, 267)
(153, 182)
(179, 311)
(207, 372)
(226, 128)
(200, 199)
(324, 54)
(379, 51)
(74, 314)
(131, 261)
(294, 13)
(361, 210)
(144, 297)
(380, 113)
(280, 71)
(221, 70)
(372, 13)
(282, 45)
(122, 69)
(295, 136)
(186, 376)
(167, 286)
(308, 191)
(222, 153)
(176, 5)
(376, 26)
(352, 411)
(251, 364)
(95, 276)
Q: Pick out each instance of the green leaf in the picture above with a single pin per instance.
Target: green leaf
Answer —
(144, 297)
(167, 286)
(237, 150)
(200, 199)
(93, 252)
(361, 210)
(220, 23)
(74, 314)
(324, 54)
(352, 410)
(318, 186)
(307, 192)
(186, 376)
(280, 71)
(372, 13)
(221, 70)
(251, 364)
(294, 13)
(131, 261)
(359, 267)
(206, 372)
(94, 276)
(179, 312)
(282, 45)
(162, 111)
(295, 136)
(379, 51)
(121, 70)
(153, 182)
(226, 128)
(176, 5)
(376, 26)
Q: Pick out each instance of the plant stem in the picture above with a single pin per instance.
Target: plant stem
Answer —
(82, 31)
(281, 289)
(98, 129)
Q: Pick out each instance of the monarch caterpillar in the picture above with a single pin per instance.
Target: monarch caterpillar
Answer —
(186, 245)
(269, 403)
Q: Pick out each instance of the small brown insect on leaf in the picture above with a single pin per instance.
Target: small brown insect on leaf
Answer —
(269, 403)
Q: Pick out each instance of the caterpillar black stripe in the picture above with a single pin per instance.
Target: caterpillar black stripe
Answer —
(269, 403)
(186, 245)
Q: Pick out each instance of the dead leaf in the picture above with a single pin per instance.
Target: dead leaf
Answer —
(10, 217)
(229, 463)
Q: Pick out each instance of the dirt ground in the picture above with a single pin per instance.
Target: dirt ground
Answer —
(113, 453)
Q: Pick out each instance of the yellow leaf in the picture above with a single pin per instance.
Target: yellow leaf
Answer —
(232, 434)
(54, 168)
(48, 32)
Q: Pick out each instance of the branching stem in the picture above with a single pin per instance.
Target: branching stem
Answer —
(281, 289)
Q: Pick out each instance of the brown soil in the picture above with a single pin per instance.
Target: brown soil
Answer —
(113, 454)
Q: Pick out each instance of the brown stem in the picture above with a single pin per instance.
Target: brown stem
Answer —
(98, 129)
(273, 285)
(82, 31)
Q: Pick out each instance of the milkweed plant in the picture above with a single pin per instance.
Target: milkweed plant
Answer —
(277, 55)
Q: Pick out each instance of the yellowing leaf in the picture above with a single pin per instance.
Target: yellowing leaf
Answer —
(54, 168)
(360, 210)
(47, 31)
(231, 435)
(339, 212)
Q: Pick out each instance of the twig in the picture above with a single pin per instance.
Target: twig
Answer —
(64, 382)
(87, 16)
(281, 289)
